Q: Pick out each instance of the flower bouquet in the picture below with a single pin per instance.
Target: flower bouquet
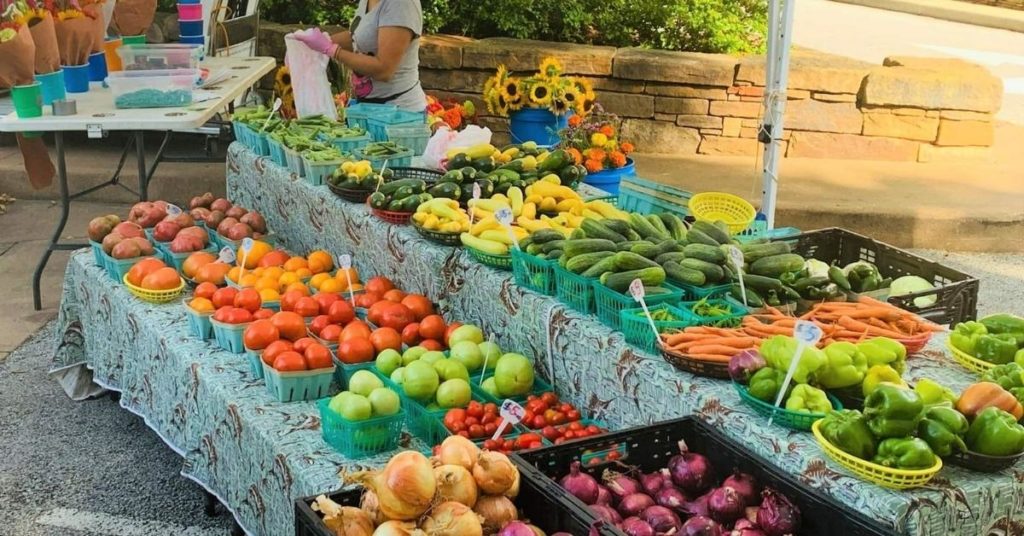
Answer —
(594, 142)
(538, 106)
(451, 114)
(133, 17)
(39, 19)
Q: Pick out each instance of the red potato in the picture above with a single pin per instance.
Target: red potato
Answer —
(239, 231)
(183, 219)
(225, 224)
(199, 214)
(100, 227)
(110, 241)
(220, 204)
(184, 243)
(236, 212)
(197, 232)
(145, 246)
(129, 229)
(165, 231)
(214, 218)
(126, 249)
(255, 220)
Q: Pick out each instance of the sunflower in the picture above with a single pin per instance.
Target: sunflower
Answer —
(502, 105)
(584, 88)
(550, 69)
(540, 94)
(516, 104)
(510, 89)
(559, 106)
(501, 75)
(69, 14)
(490, 84)
(572, 96)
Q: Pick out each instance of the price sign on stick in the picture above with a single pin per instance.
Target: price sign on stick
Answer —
(504, 217)
(636, 289)
(736, 258)
(807, 334)
(476, 195)
(345, 263)
(277, 106)
(511, 413)
(227, 255)
(490, 339)
(173, 210)
(246, 248)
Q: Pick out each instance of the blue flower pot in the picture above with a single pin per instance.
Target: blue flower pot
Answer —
(537, 125)
(76, 78)
(609, 179)
(53, 86)
(97, 67)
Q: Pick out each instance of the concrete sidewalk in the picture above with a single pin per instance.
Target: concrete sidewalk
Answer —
(952, 10)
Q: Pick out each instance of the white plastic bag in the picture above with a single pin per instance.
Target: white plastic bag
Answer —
(308, 70)
(445, 140)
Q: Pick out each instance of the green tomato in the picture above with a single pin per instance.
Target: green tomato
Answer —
(356, 408)
(398, 376)
(363, 382)
(432, 357)
(449, 369)
(468, 353)
(388, 361)
(453, 393)
(466, 333)
(412, 354)
(491, 387)
(421, 380)
(514, 375)
(338, 400)
(490, 353)
(384, 401)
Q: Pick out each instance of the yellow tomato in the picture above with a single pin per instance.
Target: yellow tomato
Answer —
(288, 278)
(331, 285)
(295, 263)
(304, 273)
(269, 295)
(201, 305)
(301, 287)
(322, 260)
(317, 279)
(234, 273)
(248, 280)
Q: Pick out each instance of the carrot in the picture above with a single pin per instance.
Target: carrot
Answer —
(736, 342)
(686, 336)
(856, 325)
(880, 324)
(716, 349)
(714, 358)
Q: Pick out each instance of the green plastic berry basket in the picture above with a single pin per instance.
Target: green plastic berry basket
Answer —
(344, 371)
(500, 262)
(610, 303)
(539, 386)
(533, 272)
(421, 422)
(401, 158)
(97, 253)
(318, 171)
(794, 420)
(414, 136)
(638, 331)
(298, 386)
(177, 260)
(349, 143)
(731, 320)
(294, 161)
(694, 293)
(574, 290)
(229, 336)
(277, 155)
(255, 358)
(359, 439)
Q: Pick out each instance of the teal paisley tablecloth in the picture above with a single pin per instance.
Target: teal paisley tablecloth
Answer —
(258, 455)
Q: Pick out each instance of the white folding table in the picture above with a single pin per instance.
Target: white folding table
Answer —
(97, 116)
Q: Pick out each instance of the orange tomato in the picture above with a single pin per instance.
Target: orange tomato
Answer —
(289, 298)
(376, 311)
(307, 307)
(164, 278)
(256, 252)
(274, 258)
(260, 334)
(379, 285)
(201, 305)
(290, 324)
(325, 300)
(275, 349)
(248, 299)
(367, 299)
(419, 305)
(330, 333)
(433, 327)
(205, 290)
(263, 313)
(141, 269)
(394, 295)
(298, 286)
(224, 297)
(411, 334)
(432, 345)
(357, 350)
(383, 338)
(353, 274)
(341, 312)
(329, 284)
(397, 316)
(212, 273)
(303, 343)
(357, 329)
(451, 327)
(318, 357)
(319, 279)
(295, 263)
(290, 362)
(196, 261)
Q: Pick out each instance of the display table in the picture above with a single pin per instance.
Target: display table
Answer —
(256, 454)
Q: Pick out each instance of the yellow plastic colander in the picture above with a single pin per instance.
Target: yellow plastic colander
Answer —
(881, 475)
(735, 211)
(968, 361)
(155, 296)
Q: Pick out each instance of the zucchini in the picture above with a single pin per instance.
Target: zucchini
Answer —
(619, 282)
(712, 231)
(417, 186)
(696, 236)
(777, 265)
(627, 260)
(587, 245)
(596, 229)
(752, 253)
(683, 274)
(705, 253)
(712, 272)
(674, 256)
(606, 264)
(580, 263)
(644, 227)
(546, 235)
(675, 226)
(753, 300)
(762, 284)
(447, 190)
(659, 225)
(628, 245)
(618, 226)
(576, 234)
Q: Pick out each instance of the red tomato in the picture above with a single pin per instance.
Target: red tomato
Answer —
(455, 415)
(536, 406)
(379, 285)
(290, 324)
(475, 409)
(564, 408)
(205, 290)
(432, 345)
(289, 362)
(289, 298)
(260, 334)
(318, 357)
(263, 314)
(224, 297)
(561, 440)
(463, 433)
(535, 445)
(594, 430)
(411, 334)
(488, 418)
(551, 432)
(248, 299)
(471, 420)
(475, 430)
(573, 415)
(457, 427)
(358, 350)
(220, 314)
(531, 398)
(330, 333)
(275, 349)
(397, 316)
(490, 428)
(539, 422)
(558, 418)
(614, 455)
(303, 343)
(569, 434)
(367, 299)
(394, 295)
(318, 324)
(451, 327)
(493, 444)
(576, 426)
(549, 398)
(528, 419)
(419, 305)
(341, 312)
(491, 407)
(325, 300)
(357, 329)
(432, 327)
(307, 307)
(383, 338)
(237, 315)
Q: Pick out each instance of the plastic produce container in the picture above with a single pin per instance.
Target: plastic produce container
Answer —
(160, 57)
(298, 386)
(378, 123)
(357, 113)
(229, 336)
(255, 362)
(358, 439)
(609, 302)
(413, 136)
(533, 272)
(153, 89)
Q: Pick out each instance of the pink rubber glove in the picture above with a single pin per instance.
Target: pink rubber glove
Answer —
(317, 40)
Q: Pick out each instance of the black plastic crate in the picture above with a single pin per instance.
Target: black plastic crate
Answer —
(650, 447)
(956, 293)
(536, 504)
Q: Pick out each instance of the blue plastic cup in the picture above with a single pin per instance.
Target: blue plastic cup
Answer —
(190, 27)
(193, 40)
(52, 86)
(97, 67)
(76, 78)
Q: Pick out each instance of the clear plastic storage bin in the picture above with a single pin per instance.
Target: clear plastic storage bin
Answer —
(153, 89)
(149, 57)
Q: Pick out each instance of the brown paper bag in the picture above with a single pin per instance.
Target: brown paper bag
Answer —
(74, 40)
(45, 38)
(18, 65)
(99, 31)
(133, 17)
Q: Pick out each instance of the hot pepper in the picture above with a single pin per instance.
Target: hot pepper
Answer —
(943, 429)
(778, 352)
(807, 399)
(1005, 323)
(892, 411)
(996, 433)
(765, 384)
(878, 375)
(884, 351)
(933, 393)
(964, 336)
(905, 453)
(998, 348)
(849, 432)
(846, 366)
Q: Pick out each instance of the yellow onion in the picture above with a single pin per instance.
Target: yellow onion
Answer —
(404, 488)
(455, 483)
(370, 504)
(457, 450)
(349, 521)
(494, 473)
(496, 511)
(452, 519)
(397, 528)
(513, 491)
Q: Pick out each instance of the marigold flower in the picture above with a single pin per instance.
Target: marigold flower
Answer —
(626, 147)
(574, 153)
(598, 139)
(593, 166)
(575, 121)
(607, 130)
(617, 159)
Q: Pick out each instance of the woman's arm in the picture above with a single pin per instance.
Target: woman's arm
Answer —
(392, 42)
(343, 40)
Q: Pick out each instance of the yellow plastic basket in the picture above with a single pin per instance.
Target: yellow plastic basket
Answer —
(968, 361)
(154, 296)
(881, 475)
(735, 211)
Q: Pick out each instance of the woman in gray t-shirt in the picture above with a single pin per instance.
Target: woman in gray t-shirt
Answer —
(382, 48)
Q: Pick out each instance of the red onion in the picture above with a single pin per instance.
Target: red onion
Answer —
(725, 506)
(652, 482)
(606, 513)
(745, 486)
(634, 526)
(620, 485)
(698, 506)
(661, 519)
(744, 364)
(516, 528)
(690, 471)
(777, 516)
(580, 484)
(670, 497)
(701, 526)
(745, 527)
(633, 504)
(603, 495)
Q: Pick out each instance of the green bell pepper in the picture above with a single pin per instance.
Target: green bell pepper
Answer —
(905, 453)
(879, 374)
(884, 351)
(778, 352)
(943, 429)
(1005, 323)
(846, 366)
(998, 348)
(764, 385)
(1018, 358)
(1008, 376)
(964, 336)
(847, 429)
(807, 399)
(995, 432)
(933, 393)
(893, 411)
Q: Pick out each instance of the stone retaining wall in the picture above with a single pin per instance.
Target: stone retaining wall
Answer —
(910, 109)
(1011, 4)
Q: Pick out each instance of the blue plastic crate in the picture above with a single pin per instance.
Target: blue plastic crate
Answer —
(647, 197)
(298, 386)
(198, 324)
(377, 124)
(359, 439)
(357, 113)
(413, 136)
(229, 336)
(255, 362)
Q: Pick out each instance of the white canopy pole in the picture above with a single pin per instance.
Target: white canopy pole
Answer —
(780, 33)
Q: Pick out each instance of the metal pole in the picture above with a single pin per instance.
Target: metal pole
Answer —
(780, 20)
(65, 207)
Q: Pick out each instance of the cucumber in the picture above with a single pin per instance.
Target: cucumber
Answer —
(526, 243)
(705, 253)
(587, 245)
(417, 186)
(675, 226)
(618, 226)
(712, 231)
(548, 247)
(762, 284)
(646, 250)
(606, 264)
(712, 272)
(533, 249)
(576, 234)
(644, 228)
(654, 291)
(753, 300)
(807, 282)
(628, 245)
(546, 235)
(777, 265)
(696, 236)
(627, 260)
(722, 226)
(619, 282)
(596, 229)
(683, 274)
(554, 254)
(674, 256)
(630, 234)
(580, 263)
(659, 225)
(752, 253)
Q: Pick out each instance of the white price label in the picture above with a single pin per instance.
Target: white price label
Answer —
(511, 413)
(227, 255)
(173, 210)
(246, 245)
(807, 332)
(345, 261)
(736, 258)
(504, 216)
(636, 289)
(476, 190)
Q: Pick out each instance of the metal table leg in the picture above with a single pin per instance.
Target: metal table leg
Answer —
(140, 157)
(65, 207)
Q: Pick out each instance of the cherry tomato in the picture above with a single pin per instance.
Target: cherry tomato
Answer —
(453, 416)
(551, 432)
(490, 428)
(594, 430)
(549, 398)
(491, 407)
(539, 422)
(475, 409)
(572, 415)
(528, 419)
(534, 445)
(560, 440)
(492, 444)
(614, 455)
(557, 418)
(470, 421)
(463, 433)
(475, 430)
(536, 406)
(566, 407)
(596, 460)
(509, 444)
(575, 426)
(526, 439)
(531, 398)
(488, 418)
(569, 434)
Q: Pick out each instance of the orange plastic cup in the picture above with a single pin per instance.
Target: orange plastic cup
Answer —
(110, 52)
